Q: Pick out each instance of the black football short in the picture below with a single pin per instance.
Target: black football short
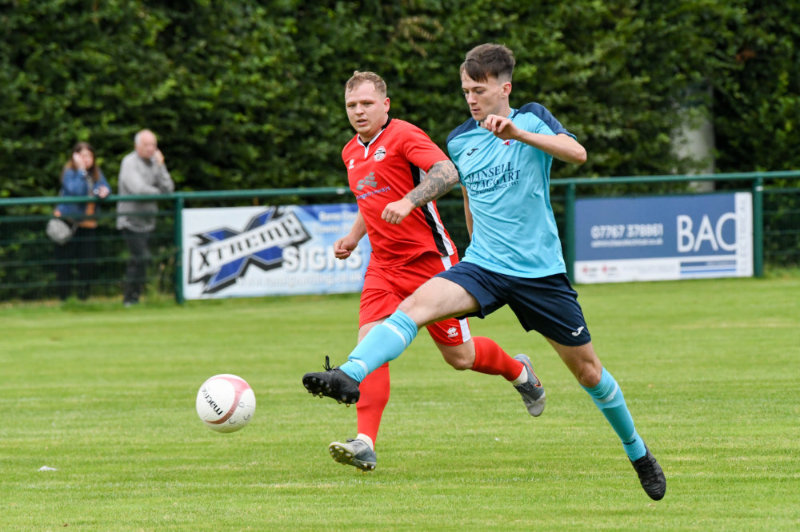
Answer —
(548, 305)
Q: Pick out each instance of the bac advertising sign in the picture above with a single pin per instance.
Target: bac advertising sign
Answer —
(259, 251)
(663, 238)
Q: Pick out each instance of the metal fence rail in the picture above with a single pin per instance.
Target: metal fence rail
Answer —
(34, 268)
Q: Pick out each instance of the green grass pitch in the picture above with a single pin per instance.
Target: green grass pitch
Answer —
(105, 396)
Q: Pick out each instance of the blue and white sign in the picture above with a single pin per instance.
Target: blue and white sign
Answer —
(663, 238)
(278, 250)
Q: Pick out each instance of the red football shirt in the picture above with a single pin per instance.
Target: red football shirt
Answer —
(385, 170)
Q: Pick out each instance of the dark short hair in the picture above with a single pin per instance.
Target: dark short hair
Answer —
(489, 60)
(363, 77)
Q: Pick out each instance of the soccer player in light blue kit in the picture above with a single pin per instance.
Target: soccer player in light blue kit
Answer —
(504, 156)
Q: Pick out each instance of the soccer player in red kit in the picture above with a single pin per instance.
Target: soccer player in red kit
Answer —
(392, 164)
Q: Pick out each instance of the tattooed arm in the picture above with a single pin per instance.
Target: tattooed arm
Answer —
(441, 177)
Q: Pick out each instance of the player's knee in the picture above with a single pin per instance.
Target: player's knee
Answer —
(417, 310)
(408, 304)
(458, 359)
(461, 363)
(589, 374)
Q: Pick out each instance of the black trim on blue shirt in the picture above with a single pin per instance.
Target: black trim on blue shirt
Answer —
(545, 116)
(463, 128)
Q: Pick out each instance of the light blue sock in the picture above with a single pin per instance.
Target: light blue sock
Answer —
(607, 395)
(382, 344)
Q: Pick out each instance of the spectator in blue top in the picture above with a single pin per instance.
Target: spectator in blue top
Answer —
(77, 258)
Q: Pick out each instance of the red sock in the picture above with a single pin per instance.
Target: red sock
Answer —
(374, 391)
(490, 358)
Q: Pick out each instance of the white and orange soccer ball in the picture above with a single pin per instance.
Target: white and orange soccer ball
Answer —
(225, 403)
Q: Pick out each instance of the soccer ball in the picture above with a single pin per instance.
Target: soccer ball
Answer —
(225, 403)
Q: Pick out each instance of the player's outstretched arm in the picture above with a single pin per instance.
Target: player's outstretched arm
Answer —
(441, 177)
(561, 146)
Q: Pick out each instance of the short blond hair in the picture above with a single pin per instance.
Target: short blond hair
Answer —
(365, 77)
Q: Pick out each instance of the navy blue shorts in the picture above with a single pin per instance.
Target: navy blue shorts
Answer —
(547, 305)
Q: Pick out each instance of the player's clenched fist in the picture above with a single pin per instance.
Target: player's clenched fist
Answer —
(501, 126)
(396, 211)
(343, 247)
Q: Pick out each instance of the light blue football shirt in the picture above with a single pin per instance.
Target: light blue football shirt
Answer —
(508, 182)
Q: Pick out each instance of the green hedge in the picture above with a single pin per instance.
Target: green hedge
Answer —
(249, 94)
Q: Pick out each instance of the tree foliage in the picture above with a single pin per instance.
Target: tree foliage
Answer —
(249, 94)
(757, 103)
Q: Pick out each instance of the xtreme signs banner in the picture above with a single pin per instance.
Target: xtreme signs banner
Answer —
(278, 250)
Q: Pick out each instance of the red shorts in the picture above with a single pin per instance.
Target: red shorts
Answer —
(385, 288)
